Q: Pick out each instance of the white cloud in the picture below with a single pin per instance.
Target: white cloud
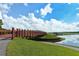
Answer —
(69, 3)
(37, 11)
(77, 14)
(34, 23)
(46, 10)
(77, 8)
(4, 8)
(25, 4)
(0, 16)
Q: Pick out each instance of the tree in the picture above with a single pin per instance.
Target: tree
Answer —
(2, 11)
(0, 23)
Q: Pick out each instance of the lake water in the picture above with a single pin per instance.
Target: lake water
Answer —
(72, 40)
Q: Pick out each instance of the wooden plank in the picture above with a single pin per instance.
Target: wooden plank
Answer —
(5, 36)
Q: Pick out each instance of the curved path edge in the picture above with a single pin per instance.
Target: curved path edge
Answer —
(3, 46)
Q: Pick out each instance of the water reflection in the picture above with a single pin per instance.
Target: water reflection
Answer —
(72, 40)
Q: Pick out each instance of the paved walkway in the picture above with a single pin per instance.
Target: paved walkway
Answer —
(74, 48)
(3, 46)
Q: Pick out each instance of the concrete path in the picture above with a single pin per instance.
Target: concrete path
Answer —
(71, 47)
(3, 46)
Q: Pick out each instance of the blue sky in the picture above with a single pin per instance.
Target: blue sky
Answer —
(61, 11)
(47, 17)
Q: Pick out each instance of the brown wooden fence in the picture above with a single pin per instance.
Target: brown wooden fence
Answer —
(4, 34)
(20, 33)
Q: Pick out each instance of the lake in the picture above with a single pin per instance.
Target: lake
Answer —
(72, 40)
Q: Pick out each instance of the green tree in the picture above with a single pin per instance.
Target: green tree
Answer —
(0, 23)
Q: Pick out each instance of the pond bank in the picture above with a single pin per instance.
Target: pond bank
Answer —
(72, 40)
(48, 38)
(66, 46)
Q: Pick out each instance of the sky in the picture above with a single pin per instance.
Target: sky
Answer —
(48, 17)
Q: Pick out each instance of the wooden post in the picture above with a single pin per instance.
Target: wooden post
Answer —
(27, 34)
(24, 33)
(17, 33)
(31, 33)
(20, 32)
(13, 33)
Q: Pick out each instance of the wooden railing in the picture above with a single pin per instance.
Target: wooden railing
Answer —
(20, 33)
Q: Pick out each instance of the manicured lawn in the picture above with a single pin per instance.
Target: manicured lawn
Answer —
(24, 47)
(51, 36)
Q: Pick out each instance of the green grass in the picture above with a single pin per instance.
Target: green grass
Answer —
(66, 33)
(51, 36)
(24, 47)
